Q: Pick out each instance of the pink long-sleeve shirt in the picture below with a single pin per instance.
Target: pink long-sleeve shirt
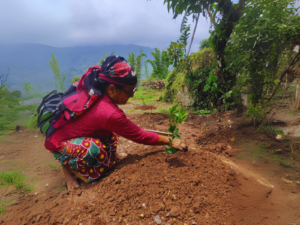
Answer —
(99, 121)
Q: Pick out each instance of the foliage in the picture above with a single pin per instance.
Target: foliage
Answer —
(137, 61)
(12, 178)
(257, 113)
(263, 39)
(31, 123)
(59, 81)
(8, 104)
(175, 117)
(160, 64)
(277, 158)
(2, 204)
(16, 93)
(203, 44)
(176, 52)
(75, 79)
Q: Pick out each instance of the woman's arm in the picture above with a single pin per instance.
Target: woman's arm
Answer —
(176, 143)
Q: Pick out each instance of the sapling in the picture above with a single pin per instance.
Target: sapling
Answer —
(175, 117)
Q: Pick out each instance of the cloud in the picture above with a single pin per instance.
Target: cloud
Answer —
(76, 22)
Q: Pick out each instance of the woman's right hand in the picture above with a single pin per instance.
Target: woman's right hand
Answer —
(179, 144)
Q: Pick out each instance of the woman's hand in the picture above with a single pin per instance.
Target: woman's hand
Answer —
(179, 144)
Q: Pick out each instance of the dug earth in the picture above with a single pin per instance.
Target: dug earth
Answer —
(208, 184)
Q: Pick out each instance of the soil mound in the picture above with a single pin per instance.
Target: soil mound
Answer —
(188, 187)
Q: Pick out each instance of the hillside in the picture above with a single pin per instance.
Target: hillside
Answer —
(29, 62)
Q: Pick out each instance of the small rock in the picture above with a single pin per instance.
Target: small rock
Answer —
(47, 185)
(194, 222)
(144, 205)
(279, 137)
(175, 211)
(157, 219)
(142, 215)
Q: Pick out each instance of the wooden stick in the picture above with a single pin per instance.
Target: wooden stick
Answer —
(159, 132)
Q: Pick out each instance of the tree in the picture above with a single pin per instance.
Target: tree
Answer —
(160, 64)
(264, 38)
(223, 15)
(59, 81)
(203, 44)
(137, 61)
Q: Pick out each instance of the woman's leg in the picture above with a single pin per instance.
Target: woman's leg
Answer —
(87, 158)
(70, 180)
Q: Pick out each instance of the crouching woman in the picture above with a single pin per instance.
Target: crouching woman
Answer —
(86, 144)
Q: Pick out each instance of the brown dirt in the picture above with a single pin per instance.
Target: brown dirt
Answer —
(145, 107)
(207, 185)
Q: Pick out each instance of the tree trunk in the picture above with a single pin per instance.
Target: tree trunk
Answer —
(297, 97)
(193, 34)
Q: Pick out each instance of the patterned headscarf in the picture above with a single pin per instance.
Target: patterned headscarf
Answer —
(83, 93)
(116, 69)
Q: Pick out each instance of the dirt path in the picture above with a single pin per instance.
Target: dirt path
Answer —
(207, 185)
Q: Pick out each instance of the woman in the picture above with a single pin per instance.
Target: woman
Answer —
(86, 145)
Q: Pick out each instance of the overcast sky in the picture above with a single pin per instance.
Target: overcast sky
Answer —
(65, 23)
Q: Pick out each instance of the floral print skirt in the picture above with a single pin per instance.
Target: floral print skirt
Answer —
(88, 158)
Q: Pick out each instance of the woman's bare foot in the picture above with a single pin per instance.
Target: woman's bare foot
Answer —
(70, 181)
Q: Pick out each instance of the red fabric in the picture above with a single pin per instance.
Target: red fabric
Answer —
(99, 121)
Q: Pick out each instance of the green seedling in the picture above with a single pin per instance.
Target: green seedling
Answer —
(175, 117)
(240, 156)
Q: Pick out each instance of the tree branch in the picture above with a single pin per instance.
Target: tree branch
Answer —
(295, 60)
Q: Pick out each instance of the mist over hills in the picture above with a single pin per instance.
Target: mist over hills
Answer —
(29, 62)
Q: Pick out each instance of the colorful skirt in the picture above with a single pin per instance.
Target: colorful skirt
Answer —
(88, 158)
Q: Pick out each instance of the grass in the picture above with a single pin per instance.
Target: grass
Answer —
(29, 189)
(2, 204)
(14, 178)
(3, 139)
(146, 96)
(53, 165)
(292, 113)
(4, 161)
(61, 189)
(277, 158)
(163, 110)
(258, 153)
(240, 156)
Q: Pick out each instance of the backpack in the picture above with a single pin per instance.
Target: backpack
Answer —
(58, 109)
(48, 110)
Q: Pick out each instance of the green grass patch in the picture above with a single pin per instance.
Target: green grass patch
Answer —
(12, 178)
(4, 161)
(163, 110)
(277, 158)
(240, 156)
(3, 139)
(29, 189)
(53, 165)
(62, 189)
(2, 204)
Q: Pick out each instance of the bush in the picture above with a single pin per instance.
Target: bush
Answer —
(31, 123)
